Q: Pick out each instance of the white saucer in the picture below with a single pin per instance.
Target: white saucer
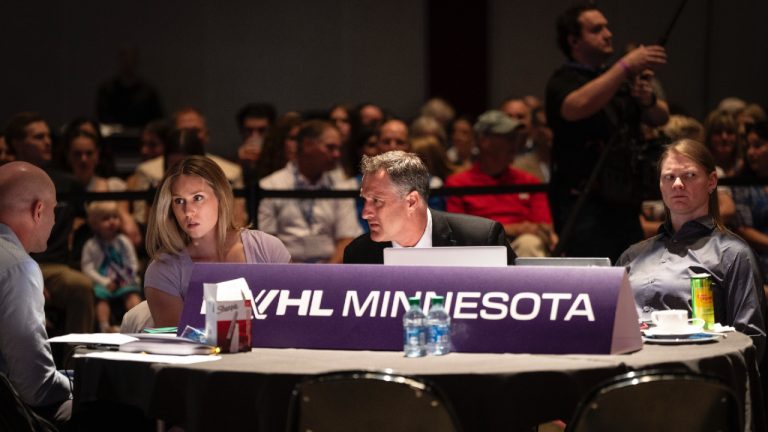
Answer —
(689, 330)
(696, 338)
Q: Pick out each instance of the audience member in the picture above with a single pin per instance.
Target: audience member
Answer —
(280, 145)
(440, 110)
(432, 152)
(81, 153)
(67, 289)
(395, 190)
(679, 127)
(254, 122)
(313, 230)
(525, 216)
(192, 220)
(27, 202)
(693, 240)
(393, 135)
(106, 164)
(6, 152)
(109, 259)
(591, 110)
(722, 138)
(426, 126)
(364, 143)
(189, 118)
(751, 220)
(516, 108)
(153, 138)
(339, 116)
(149, 173)
(732, 105)
(369, 115)
(537, 154)
(462, 149)
(750, 115)
(128, 99)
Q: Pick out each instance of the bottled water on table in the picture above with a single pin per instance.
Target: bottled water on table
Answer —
(414, 330)
(439, 325)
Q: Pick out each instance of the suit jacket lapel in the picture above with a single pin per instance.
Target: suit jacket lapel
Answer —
(441, 231)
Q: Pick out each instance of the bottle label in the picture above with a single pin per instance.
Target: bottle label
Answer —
(414, 336)
(439, 334)
(703, 299)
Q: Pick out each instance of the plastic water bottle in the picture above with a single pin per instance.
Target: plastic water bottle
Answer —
(414, 330)
(439, 325)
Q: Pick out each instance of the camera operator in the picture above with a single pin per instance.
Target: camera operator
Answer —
(596, 110)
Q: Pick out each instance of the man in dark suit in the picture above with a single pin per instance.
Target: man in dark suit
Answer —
(395, 189)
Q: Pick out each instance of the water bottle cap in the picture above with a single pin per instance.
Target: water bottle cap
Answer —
(437, 300)
(414, 301)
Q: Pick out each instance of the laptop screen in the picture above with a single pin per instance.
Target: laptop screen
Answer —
(452, 256)
(564, 261)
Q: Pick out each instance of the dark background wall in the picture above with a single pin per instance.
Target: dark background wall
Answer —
(717, 49)
(308, 55)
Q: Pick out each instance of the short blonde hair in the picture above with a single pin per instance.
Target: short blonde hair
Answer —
(679, 127)
(164, 235)
(97, 209)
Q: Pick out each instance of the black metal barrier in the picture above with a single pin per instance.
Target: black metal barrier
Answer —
(255, 194)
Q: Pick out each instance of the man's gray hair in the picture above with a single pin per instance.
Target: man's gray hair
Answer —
(407, 171)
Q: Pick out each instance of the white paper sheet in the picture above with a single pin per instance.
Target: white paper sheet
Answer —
(94, 338)
(150, 358)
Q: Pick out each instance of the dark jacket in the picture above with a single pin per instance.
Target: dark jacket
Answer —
(448, 229)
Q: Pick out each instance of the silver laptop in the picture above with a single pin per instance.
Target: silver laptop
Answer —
(564, 261)
(450, 256)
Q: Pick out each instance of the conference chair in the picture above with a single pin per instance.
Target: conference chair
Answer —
(659, 401)
(17, 416)
(368, 401)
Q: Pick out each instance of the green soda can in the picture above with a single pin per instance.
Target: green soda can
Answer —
(702, 299)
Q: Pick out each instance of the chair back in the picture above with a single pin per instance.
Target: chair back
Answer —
(659, 401)
(368, 401)
(17, 416)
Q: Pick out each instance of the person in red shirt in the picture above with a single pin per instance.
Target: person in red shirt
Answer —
(526, 217)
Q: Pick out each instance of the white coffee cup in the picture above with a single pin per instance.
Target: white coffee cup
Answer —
(675, 320)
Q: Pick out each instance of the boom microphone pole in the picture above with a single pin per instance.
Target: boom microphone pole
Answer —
(665, 37)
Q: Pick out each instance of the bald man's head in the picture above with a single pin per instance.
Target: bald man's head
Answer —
(27, 201)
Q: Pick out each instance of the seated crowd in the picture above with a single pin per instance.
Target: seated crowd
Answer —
(103, 257)
(508, 146)
(68, 265)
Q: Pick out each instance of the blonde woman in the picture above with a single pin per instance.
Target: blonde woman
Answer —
(192, 220)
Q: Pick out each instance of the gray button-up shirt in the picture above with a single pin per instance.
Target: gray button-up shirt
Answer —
(25, 356)
(661, 266)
